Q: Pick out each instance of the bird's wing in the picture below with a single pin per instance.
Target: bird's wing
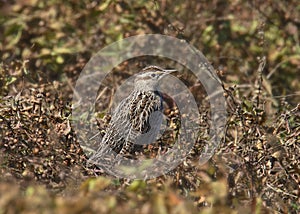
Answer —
(118, 128)
(140, 109)
(130, 119)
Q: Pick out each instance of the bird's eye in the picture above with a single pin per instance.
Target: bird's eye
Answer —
(153, 75)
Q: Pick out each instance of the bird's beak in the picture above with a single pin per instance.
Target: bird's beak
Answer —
(170, 71)
(166, 72)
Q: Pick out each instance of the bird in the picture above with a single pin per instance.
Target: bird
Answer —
(137, 119)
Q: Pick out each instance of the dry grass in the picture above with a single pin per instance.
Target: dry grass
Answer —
(255, 50)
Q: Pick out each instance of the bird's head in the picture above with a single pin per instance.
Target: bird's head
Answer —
(149, 77)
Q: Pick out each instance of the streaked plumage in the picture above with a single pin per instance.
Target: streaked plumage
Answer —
(137, 118)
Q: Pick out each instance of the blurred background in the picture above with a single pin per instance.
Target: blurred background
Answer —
(254, 47)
